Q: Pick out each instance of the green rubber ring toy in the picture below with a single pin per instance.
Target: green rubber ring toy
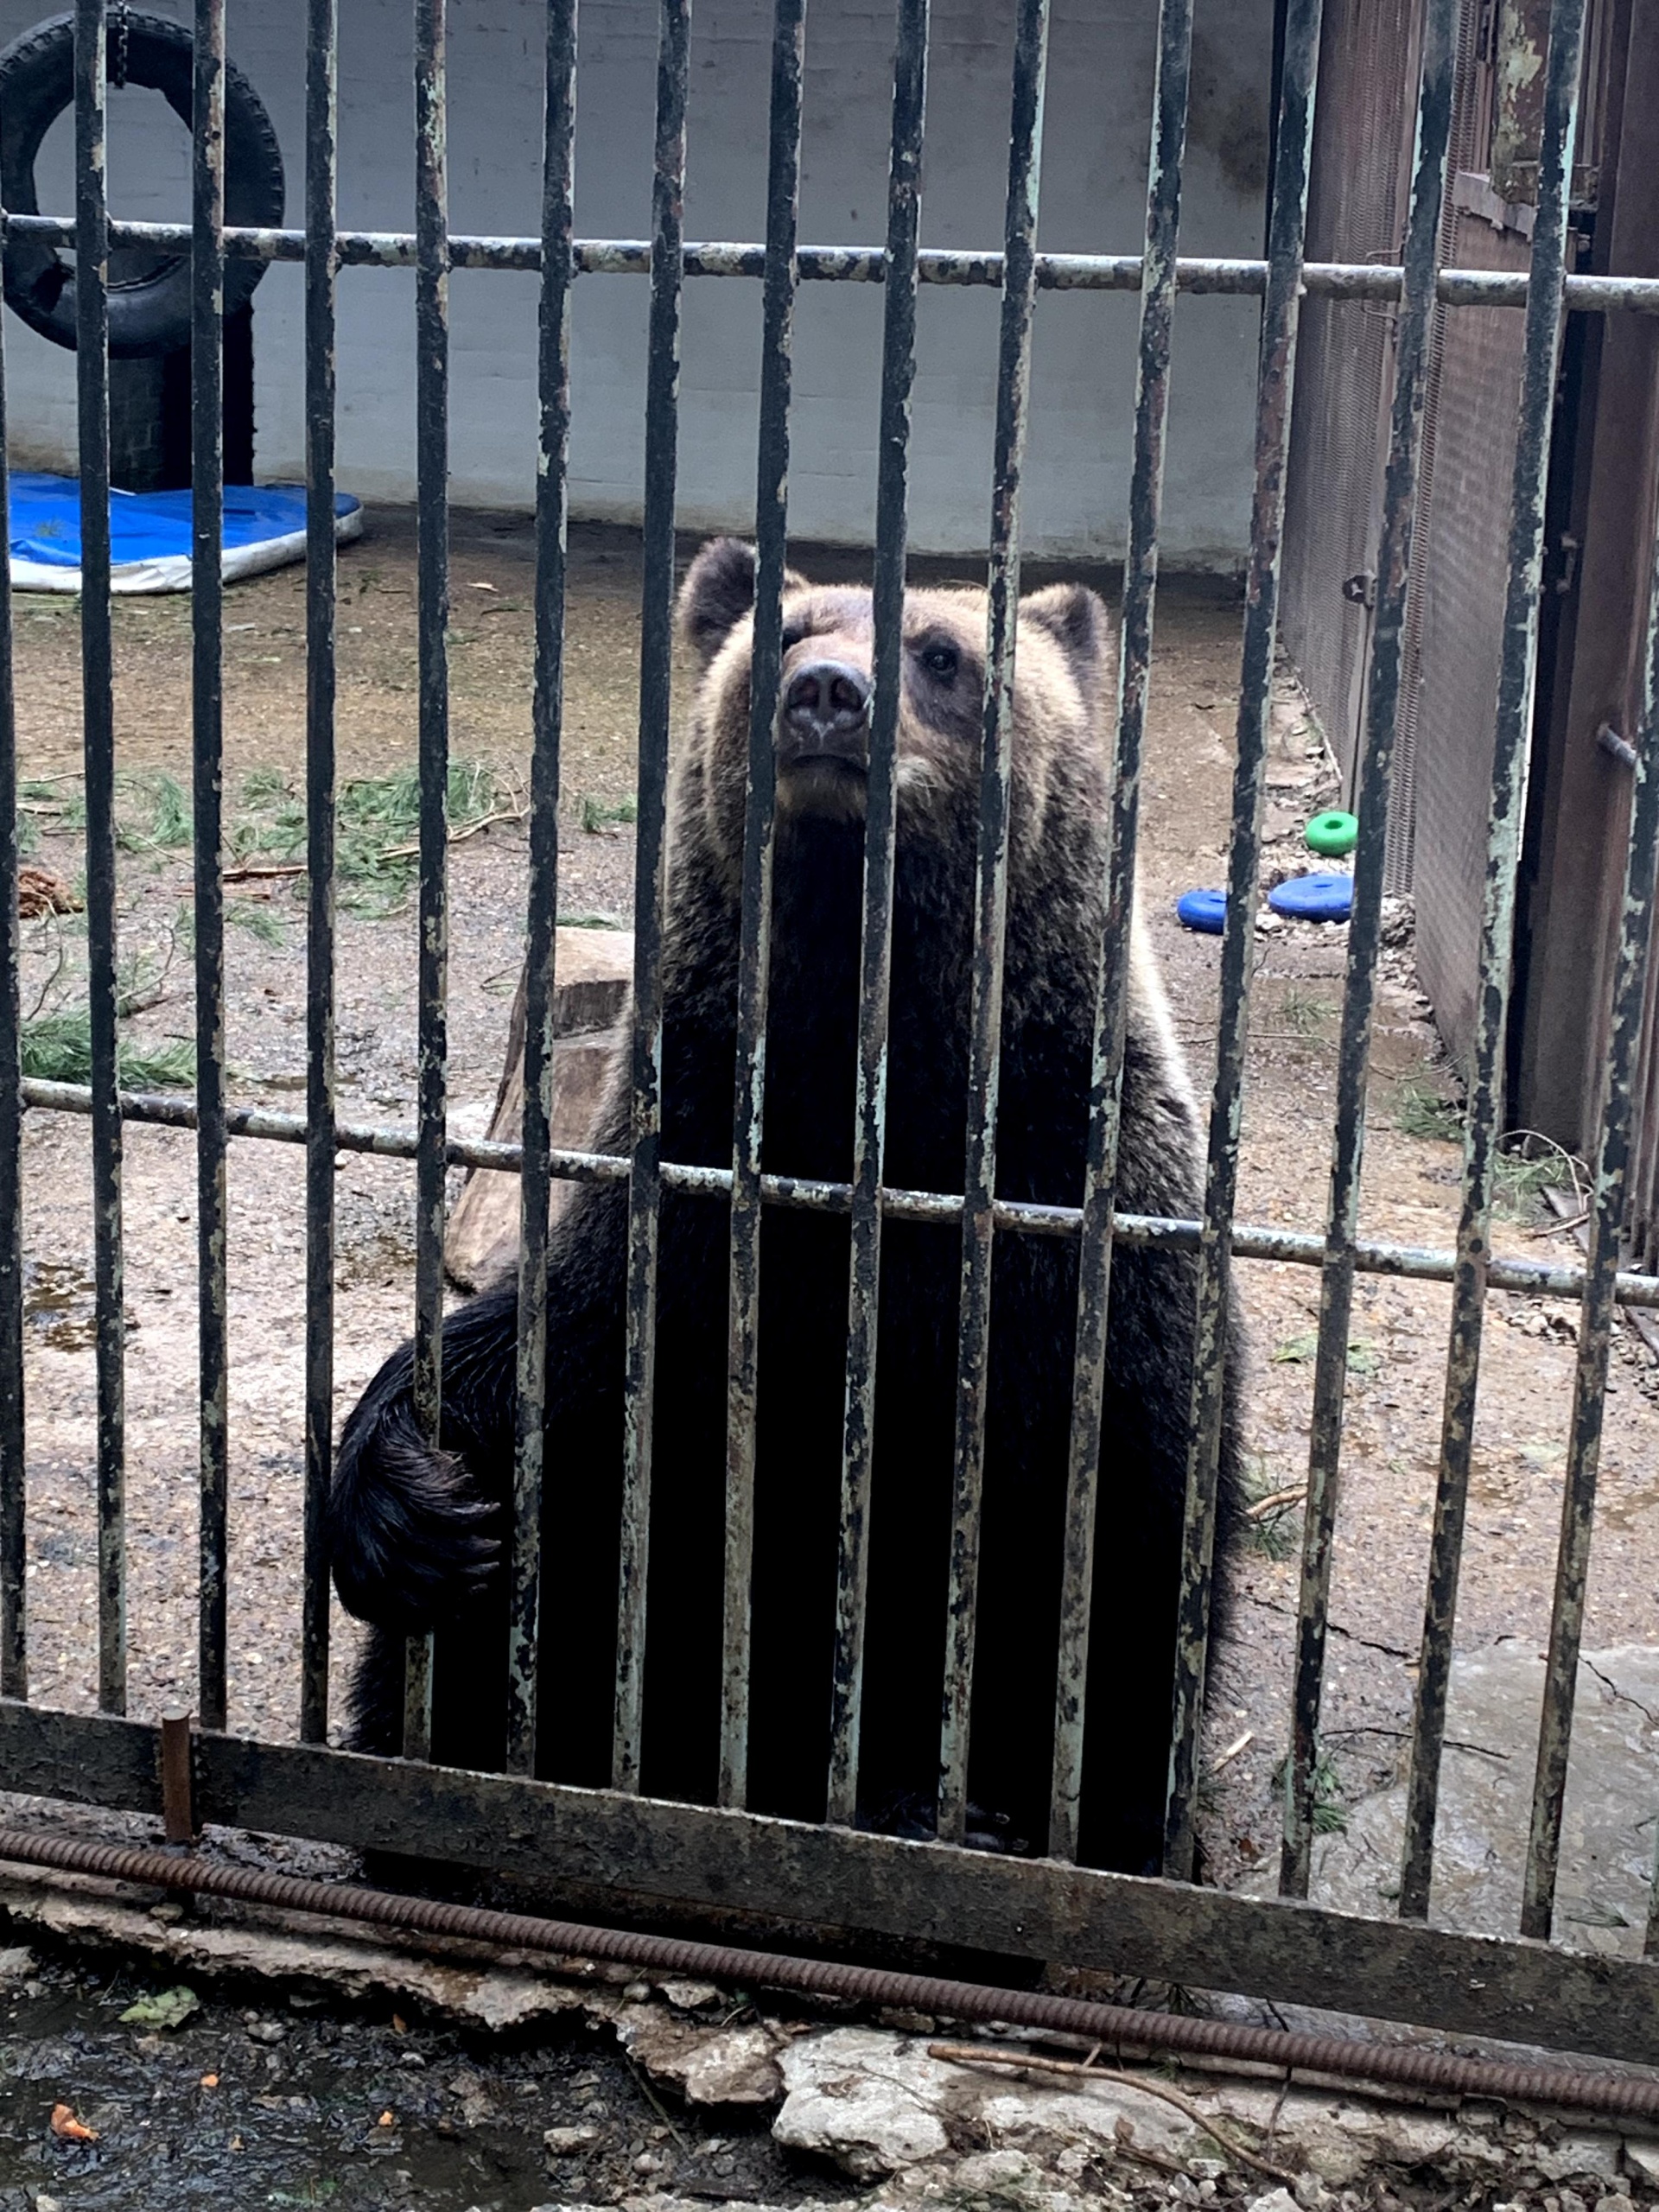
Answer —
(1332, 835)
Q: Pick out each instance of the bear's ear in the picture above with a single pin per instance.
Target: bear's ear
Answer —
(1075, 619)
(718, 592)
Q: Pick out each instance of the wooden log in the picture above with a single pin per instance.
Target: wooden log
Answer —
(594, 972)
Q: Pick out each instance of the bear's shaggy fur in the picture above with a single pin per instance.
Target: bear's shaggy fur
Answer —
(415, 1536)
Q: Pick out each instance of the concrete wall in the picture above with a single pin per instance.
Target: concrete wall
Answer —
(1094, 180)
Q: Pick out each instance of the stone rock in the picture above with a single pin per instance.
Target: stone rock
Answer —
(1276, 2200)
(859, 2098)
(16, 1964)
(567, 2142)
(1576, 2156)
(689, 1996)
(1485, 1804)
(1643, 2158)
(707, 2065)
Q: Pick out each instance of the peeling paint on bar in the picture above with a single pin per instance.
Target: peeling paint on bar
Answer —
(14, 1608)
(990, 910)
(893, 465)
(1411, 355)
(770, 519)
(542, 898)
(867, 265)
(1600, 1310)
(1279, 319)
(432, 601)
(656, 656)
(1484, 1122)
(207, 751)
(92, 406)
(1106, 1067)
(320, 179)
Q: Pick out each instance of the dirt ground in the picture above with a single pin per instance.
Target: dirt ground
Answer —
(1410, 1189)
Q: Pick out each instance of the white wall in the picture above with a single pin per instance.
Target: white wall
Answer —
(1094, 180)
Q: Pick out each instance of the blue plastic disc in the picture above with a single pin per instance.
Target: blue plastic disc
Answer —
(1315, 897)
(1203, 910)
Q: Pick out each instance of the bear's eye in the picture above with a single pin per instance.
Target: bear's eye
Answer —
(793, 633)
(941, 661)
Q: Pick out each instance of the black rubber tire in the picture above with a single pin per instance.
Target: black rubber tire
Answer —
(37, 86)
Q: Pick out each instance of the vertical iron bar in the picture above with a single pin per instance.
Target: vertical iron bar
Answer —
(1600, 1310)
(1412, 329)
(432, 588)
(1173, 66)
(892, 466)
(322, 267)
(558, 272)
(771, 531)
(656, 662)
(207, 732)
(92, 407)
(1483, 1125)
(1281, 316)
(991, 905)
(14, 1641)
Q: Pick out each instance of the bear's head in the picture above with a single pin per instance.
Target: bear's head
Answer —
(821, 732)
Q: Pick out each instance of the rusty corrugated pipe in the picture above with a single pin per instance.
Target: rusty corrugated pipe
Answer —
(1113, 2026)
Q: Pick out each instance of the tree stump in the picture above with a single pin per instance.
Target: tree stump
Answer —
(593, 978)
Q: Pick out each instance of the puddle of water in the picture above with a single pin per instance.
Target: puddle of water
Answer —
(58, 1305)
(59, 1311)
(279, 2108)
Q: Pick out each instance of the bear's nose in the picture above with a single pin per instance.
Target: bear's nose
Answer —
(826, 712)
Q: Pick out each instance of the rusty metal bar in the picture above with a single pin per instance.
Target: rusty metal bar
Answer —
(875, 970)
(1484, 1122)
(207, 753)
(321, 170)
(656, 661)
(1598, 1310)
(1279, 319)
(178, 1811)
(754, 933)
(1413, 1262)
(432, 596)
(1062, 272)
(1116, 2029)
(1151, 379)
(991, 907)
(530, 1403)
(1412, 340)
(92, 410)
(14, 1562)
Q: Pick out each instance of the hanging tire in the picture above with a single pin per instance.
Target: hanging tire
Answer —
(152, 315)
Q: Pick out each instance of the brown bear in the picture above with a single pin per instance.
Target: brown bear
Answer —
(415, 1535)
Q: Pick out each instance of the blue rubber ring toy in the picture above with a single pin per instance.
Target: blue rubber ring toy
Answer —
(1203, 910)
(1315, 899)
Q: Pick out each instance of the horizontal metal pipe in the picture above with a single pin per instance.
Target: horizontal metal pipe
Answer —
(1293, 1248)
(1115, 2027)
(867, 265)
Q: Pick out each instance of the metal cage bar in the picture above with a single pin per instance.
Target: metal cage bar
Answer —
(98, 712)
(1280, 320)
(207, 753)
(432, 595)
(656, 661)
(875, 967)
(991, 907)
(754, 936)
(541, 934)
(1411, 368)
(1152, 377)
(321, 170)
(1483, 1123)
(14, 1601)
(1599, 1311)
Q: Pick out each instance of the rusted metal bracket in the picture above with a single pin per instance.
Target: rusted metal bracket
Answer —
(178, 1810)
